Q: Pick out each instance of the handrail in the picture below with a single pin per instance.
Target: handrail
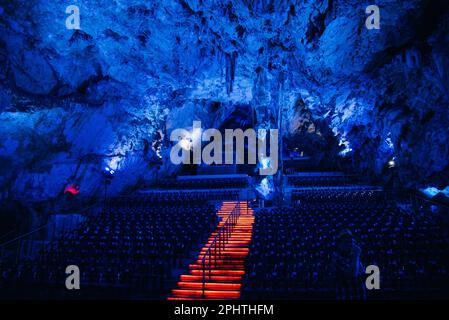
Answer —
(41, 227)
(3, 245)
(411, 194)
(24, 235)
(338, 188)
(222, 237)
(32, 232)
(423, 198)
(7, 233)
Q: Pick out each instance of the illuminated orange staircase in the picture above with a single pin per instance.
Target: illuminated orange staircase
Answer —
(223, 280)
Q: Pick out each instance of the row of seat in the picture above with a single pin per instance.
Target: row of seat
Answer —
(149, 198)
(293, 247)
(133, 246)
(324, 180)
(340, 195)
(206, 183)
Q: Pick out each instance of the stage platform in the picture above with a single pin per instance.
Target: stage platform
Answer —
(337, 188)
(146, 191)
(213, 176)
(319, 174)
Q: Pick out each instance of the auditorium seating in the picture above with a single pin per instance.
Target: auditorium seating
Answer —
(134, 246)
(206, 183)
(152, 197)
(338, 194)
(292, 247)
(317, 179)
(141, 245)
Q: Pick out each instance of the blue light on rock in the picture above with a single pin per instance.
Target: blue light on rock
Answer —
(135, 69)
(346, 147)
(433, 191)
(266, 187)
(389, 142)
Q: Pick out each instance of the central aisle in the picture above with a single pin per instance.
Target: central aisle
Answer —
(227, 273)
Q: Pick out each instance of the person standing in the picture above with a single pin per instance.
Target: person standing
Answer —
(348, 268)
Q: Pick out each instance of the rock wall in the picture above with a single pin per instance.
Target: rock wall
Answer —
(75, 101)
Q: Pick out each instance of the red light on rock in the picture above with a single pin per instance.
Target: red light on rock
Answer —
(73, 189)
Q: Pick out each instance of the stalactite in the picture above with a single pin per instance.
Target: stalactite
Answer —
(231, 60)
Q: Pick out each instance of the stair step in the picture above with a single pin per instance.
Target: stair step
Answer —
(224, 254)
(219, 272)
(222, 257)
(230, 242)
(191, 299)
(223, 243)
(227, 262)
(220, 267)
(240, 226)
(234, 244)
(210, 286)
(207, 293)
(238, 233)
(234, 234)
(220, 261)
(244, 250)
(187, 278)
(231, 247)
